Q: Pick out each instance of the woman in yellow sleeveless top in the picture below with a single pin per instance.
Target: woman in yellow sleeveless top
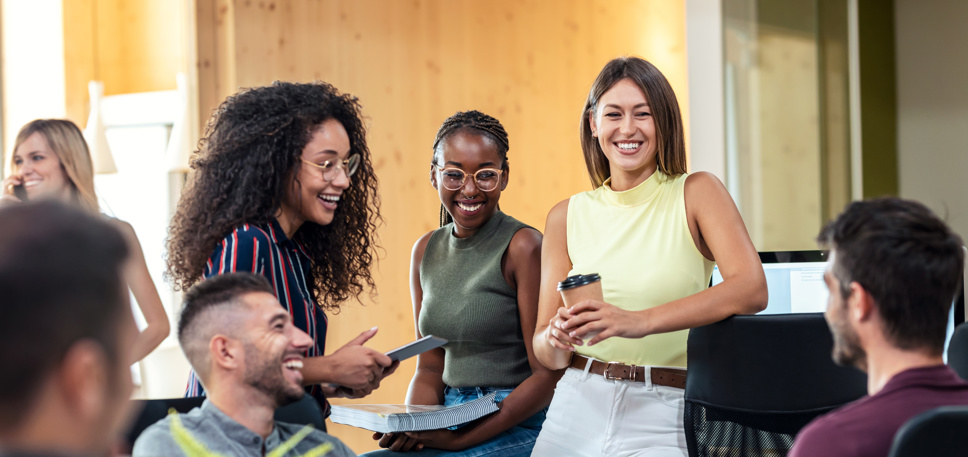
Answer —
(653, 233)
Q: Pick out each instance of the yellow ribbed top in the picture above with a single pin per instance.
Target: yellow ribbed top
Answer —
(639, 242)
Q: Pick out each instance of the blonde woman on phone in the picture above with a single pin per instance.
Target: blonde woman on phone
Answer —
(51, 161)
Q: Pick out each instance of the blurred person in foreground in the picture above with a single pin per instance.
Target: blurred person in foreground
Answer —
(893, 270)
(248, 355)
(66, 331)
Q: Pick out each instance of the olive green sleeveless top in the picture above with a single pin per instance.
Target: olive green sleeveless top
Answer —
(467, 301)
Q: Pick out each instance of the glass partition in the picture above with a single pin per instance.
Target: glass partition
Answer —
(787, 123)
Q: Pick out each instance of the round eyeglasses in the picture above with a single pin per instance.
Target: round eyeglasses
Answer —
(486, 179)
(330, 168)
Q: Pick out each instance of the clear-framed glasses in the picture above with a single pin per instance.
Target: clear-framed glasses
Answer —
(486, 179)
(330, 168)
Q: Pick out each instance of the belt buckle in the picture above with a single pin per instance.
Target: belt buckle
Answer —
(607, 373)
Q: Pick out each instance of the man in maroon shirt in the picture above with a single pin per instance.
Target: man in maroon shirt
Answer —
(893, 270)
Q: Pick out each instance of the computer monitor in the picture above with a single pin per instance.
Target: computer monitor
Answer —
(794, 280)
(795, 283)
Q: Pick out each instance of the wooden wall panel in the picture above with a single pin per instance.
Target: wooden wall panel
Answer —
(139, 45)
(130, 46)
(413, 63)
(79, 57)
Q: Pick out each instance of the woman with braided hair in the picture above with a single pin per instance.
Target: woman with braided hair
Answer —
(283, 186)
(474, 281)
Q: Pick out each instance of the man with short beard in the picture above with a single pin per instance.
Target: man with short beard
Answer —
(248, 355)
(893, 270)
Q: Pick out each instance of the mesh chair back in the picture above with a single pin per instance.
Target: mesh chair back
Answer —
(155, 410)
(958, 351)
(939, 432)
(755, 381)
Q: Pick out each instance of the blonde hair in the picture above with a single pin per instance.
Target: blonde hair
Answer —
(66, 140)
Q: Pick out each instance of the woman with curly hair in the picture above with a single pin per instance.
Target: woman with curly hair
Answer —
(283, 186)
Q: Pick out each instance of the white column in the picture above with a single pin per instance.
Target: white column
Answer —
(704, 59)
(33, 78)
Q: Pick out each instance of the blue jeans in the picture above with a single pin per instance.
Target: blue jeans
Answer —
(516, 441)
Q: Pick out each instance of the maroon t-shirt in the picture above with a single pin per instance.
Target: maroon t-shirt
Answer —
(867, 426)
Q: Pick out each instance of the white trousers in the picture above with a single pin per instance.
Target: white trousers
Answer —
(592, 416)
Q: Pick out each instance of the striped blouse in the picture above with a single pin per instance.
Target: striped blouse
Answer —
(265, 250)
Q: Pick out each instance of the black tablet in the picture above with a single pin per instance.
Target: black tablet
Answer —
(416, 347)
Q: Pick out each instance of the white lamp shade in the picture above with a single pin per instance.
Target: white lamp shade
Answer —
(180, 143)
(95, 132)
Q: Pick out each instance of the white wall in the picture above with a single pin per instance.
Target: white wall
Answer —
(704, 59)
(138, 132)
(932, 99)
(33, 64)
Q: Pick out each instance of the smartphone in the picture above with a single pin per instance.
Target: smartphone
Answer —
(416, 347)
(20, 193)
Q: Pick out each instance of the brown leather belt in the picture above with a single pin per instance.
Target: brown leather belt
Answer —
(669, 377)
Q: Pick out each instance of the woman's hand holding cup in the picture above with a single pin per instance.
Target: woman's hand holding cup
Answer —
(574, 290)
(556, 333)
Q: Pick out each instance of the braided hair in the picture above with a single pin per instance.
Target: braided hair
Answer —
(473, 122)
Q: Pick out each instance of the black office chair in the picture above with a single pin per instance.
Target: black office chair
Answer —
(755, 381)
(303, 412)
(958, 351)
(939, 432)
(155, 410)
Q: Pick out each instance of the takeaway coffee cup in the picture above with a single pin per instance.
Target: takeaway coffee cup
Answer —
(580, 287)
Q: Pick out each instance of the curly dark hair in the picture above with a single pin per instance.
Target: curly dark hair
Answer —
(476, 122)
(241, 171)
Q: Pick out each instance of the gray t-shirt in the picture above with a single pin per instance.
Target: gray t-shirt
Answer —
(224, 436)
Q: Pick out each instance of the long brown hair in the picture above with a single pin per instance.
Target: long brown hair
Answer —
(66, 140)
(671, 155)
